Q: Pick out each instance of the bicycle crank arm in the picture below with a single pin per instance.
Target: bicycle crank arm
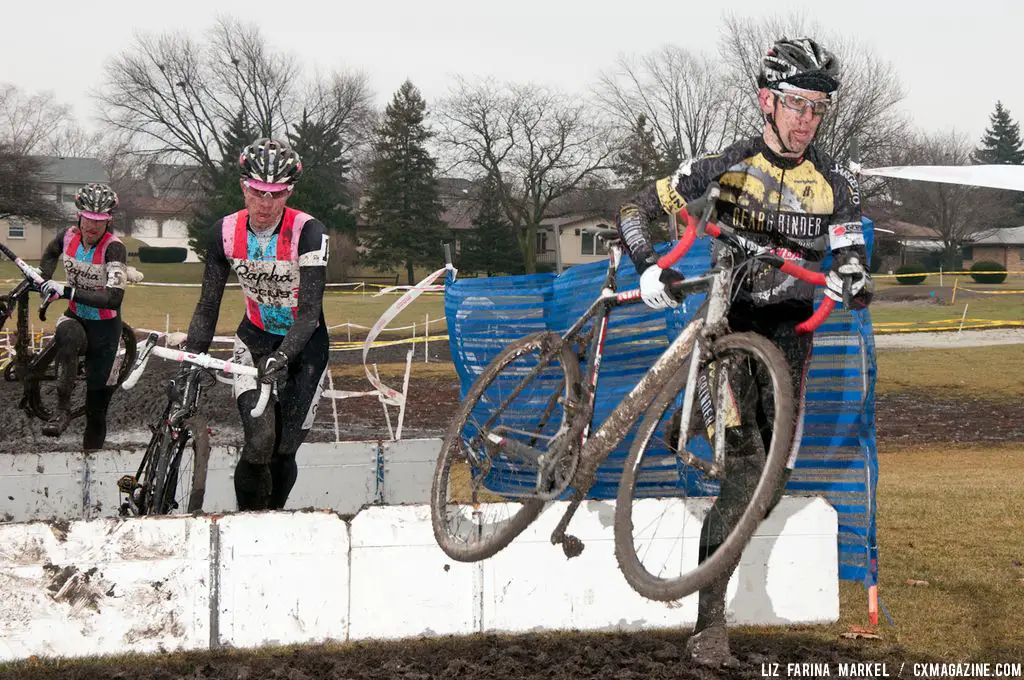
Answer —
(571, 546)
(514, 448)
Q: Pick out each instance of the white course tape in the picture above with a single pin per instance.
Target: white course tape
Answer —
(994, 176)
(387, 394)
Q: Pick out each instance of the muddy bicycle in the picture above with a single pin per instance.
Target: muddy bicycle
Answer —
(164, 482)
(521, 437)
(36, 370)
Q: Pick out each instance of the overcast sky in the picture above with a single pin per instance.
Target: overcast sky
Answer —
(954, 58)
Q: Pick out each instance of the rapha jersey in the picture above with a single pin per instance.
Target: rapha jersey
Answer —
(799, 208)
(91, 269)
(268, 271)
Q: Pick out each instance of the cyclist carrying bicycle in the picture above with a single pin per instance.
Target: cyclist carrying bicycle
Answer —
(280, 258)
(778, 190)
(95, 264)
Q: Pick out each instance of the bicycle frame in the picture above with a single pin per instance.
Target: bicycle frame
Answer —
(718, 283)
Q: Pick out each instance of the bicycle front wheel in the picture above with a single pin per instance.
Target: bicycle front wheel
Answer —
(510, 443)
(656, 537)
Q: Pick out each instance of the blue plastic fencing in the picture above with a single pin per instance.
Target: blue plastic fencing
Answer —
(837, 458)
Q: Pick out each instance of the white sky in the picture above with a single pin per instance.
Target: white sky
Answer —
(954, 58)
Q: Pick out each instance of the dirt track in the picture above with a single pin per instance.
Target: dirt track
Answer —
(902, 419)
(654, 655)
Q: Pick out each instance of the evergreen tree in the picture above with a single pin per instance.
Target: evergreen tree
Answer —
(222, 194)
(403, 208)
(1001, 144)
(321, 190)
(490, 246)
(639, 162)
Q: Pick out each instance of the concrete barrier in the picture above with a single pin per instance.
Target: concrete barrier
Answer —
(104, 586)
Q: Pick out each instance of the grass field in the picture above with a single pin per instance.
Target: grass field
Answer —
(149, 307)
(953, 519)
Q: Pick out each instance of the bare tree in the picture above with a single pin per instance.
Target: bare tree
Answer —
(866, 107)
(341, 103)
(536, 144)
(956, 214)
(680, 94)
(260, 82)
(175, 96)
(28, 122)
(23, 190)
(71, 140)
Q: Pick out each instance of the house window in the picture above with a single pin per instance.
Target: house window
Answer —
(542, 241)
(15, 229)
(592, 245)
(968, 252)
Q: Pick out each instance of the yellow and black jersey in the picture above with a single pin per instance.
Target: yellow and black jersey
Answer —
(801, 208)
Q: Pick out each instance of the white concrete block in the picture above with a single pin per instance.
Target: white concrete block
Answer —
(41, 486)
(402, 584)
(104, 587)
(532, 585)
(409, 470)
(283, 578)
(789, 572)
(340, 476)
(220, 480)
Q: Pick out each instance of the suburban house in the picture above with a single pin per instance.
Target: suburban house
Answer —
(158, 206)
(63, 177)
(1002, 246)
(153, 209)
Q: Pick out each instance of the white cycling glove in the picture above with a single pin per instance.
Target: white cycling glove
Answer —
(653, 290)
(53, 288)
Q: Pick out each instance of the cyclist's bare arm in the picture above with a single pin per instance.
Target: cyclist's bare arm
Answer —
(312, 280)
(215, 276)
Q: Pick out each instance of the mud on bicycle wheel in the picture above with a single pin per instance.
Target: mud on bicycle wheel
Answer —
(41, 384)
(546, 396)
(167, 472)
(639, 575)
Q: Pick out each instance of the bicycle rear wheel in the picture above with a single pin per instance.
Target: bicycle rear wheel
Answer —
(504, 461)
(654, 537)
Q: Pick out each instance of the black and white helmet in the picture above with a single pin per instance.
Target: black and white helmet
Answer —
(799, 63)
(268, 162)
(96, 201)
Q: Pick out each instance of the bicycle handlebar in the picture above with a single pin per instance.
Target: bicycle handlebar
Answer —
(704, 206)
(202, 360)
(31, 275)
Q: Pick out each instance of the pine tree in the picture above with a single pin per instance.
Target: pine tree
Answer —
(490, 246)
(1001, 144)
(403, 208)
(222, 194)
(639, 163)
(321, 191)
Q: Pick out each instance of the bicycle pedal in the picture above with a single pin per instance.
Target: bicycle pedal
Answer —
(572, 546)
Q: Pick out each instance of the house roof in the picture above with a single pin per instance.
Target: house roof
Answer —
(1011, 236)
(173, 180)
(60, 170)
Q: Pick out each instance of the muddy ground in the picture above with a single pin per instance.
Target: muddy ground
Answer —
(902, 419)
(654, 655)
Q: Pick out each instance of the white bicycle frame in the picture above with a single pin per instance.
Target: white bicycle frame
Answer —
(202, 360)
